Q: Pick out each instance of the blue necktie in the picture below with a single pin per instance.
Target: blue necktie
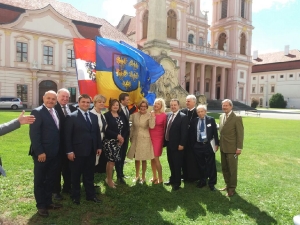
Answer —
(88, 121)
(201, 129)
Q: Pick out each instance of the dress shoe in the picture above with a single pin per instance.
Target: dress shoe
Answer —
(57, 196)
(121, 180)
(168, 183)
(54, 206)
(212, 188)
(230, 193)
(95, 199)
(43, 212)
(175, 188)
(200, 185)
(223, 189)
(76, 201)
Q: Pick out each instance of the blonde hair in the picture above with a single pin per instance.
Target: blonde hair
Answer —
(99, 98)
(141, 102)
(162, 102)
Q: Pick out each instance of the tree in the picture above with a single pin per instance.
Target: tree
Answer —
(277, 101)
(254, 103)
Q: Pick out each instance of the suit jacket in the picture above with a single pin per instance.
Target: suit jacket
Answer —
(112, 130)
(44, 134)
(126, 124)
(211, 130)
(78, 137)
(9, 126)
(231, 133)
(192, 115)
(62, 119)
(178, 131)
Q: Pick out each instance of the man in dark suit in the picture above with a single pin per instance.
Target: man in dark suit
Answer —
(231, 145)
(190, 170)
(63, 109)
(125, 113)
(175, 137)
(83, 142)
(202, 130)
(44, 137)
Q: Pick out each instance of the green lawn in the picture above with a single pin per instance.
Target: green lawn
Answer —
(267, 193)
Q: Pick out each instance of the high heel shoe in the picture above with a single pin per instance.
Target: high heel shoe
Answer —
(111, 186)
(142, 181)
(137, 179)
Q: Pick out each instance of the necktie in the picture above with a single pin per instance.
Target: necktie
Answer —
(169, 127)
(64, 110)
(54, 118)
(225, 118)
(201, 129)
(127, 112)
(88, 122)
(103, 123)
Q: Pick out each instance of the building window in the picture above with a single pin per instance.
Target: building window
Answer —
(191, 39)
(261, 102)
(272, 89)
(207, 87)
(201, 42)
(243, 8)
(172, 24)
(224, 9)
(22, 52)
(281, 76)
(22, 92)
(253, 89)
(272, 77)
(291, 75)
(262, 77)
(219, 78)
(221, 41)
(198, 85)
(243, 44)
(192, 8)
(254, 78)
(71, 58)
(242, 75)
(72, 91)
(48, 55)
(261, 89)
(145, 24)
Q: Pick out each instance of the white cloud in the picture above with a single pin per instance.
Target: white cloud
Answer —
(259, 5)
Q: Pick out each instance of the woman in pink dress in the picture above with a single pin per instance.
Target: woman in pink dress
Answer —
(157, 135)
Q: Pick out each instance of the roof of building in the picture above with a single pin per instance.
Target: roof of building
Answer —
(277, 57)
(65, 9)
(130, 26)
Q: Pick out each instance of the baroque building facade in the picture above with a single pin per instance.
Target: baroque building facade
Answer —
(219, 68)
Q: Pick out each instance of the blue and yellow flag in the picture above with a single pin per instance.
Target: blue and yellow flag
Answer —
(120, 69)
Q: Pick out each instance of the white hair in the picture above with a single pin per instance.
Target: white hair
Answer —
(192, 97)
(202, 107)
(227, 100)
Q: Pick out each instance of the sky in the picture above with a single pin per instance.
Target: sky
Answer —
(276, 22)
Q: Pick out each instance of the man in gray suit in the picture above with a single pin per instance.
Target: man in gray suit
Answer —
(16, 123)
(231, 145)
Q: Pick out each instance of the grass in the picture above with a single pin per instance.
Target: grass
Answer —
(268, 186)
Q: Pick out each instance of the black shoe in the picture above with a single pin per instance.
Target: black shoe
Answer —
(76, 201)
(200, 185)
(175, 188)
(43, 212)
(54, 206)
(57, 196)
(95, 199)
(212, 188)
(121, 180)
(168, 183)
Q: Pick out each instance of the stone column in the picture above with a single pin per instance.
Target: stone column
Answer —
(223, 80)
(202, 79)
(181, 75)
(213, 83)
(35, 88)
(192, 78)
(7, 47)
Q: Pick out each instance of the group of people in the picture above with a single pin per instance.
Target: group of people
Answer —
(71, 143)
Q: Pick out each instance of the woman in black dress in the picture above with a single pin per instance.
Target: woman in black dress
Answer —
(113, 138)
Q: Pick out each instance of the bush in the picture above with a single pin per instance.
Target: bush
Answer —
(254, 103)
(277, 101)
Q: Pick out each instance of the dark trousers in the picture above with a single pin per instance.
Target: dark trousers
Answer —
(64, 170)
(190, 170)
(83, 165)
(44, 175)
(206, 161)
(175, 160)
(120, 164)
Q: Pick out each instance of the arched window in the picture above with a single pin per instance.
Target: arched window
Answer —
(224, 9)
(243, 8)
(243, 44)
(192, 7)
(221, 41)
(191, 39)
(201, 41)
(44, 86)
(145, 24)
(172, 24)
